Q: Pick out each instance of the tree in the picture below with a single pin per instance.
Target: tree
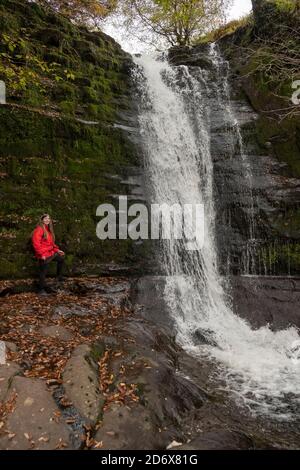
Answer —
(82, 11)
(177, 21)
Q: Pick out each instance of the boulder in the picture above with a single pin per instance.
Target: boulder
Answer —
(57, 331)
(80, 380)
(125, 428)
(34, 422)
(71, 310)
(11, 346)
(263, 300)
(7, 373)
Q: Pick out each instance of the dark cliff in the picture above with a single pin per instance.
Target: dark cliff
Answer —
(263, 64)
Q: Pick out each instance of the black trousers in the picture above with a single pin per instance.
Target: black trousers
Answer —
(44, 265)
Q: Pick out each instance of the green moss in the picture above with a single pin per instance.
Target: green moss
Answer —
(62, 58)
(284, 136)
(93, 110)
(263, 60)
(66, 179)
(97, 351)
(280, 258)
(140, 392)
(50, 161)
(285, 5)
(68, 107)
(8, 269)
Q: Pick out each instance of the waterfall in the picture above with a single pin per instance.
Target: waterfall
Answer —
(234, 134)
(175, 118)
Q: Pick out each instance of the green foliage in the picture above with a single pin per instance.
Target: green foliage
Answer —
(280, 258)
(68, 107)
(177, 23)
(286, 5)
(47, 61)
(227, 29)
(23, 69)
(269, 51)
(82, 11)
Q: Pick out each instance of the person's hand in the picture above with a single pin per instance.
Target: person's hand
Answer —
(60, 252)
(43, 258)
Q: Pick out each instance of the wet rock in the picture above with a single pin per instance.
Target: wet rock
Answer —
(221, 439)
(56, 331)
(71, 417)
(112, 289)
(116, 269)
(95, 285)
(148, 298)
(80, 380)
(267, 300)
(192, 56)
(72, 310)
(202, 336)
(7, 373)
(115, 294)
(110, 342)
(125, 428)
(15, 288)
(166, 392)
(119, 300)
(34, 422)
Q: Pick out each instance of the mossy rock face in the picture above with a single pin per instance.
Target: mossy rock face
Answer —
(58, 145)
(279, 257)
(257, 72)
(63, 61)
(255, 58)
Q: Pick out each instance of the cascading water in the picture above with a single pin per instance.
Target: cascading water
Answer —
(175, 124)
(222, 92)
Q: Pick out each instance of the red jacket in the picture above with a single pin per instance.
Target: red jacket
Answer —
(43, 246)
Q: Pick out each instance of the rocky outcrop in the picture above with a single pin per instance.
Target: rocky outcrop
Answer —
(34, 422)
(205, 417)
(274, 151)
(126, 384)
(7, 372)
(56, 331)
(255, 157)
(273, 301)
(125, 428)
(81, 384)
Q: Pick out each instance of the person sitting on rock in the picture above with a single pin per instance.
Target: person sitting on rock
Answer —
(43, 241)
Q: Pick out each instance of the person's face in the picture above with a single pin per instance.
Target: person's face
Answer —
(46, 220)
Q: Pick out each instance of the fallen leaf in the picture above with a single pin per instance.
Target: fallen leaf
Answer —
(174, 444)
